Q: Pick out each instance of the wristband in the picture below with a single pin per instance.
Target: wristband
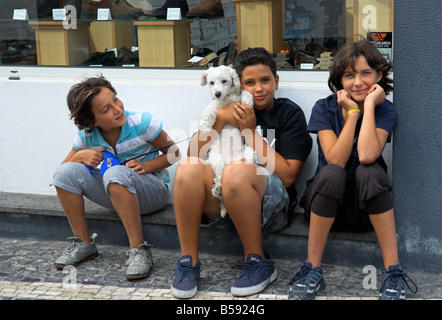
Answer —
(353, 110)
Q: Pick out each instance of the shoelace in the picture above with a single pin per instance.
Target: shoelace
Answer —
(392, 279)
(185, 271)
(73, 247)
(136, 255)
(249, 269)
(300, 275)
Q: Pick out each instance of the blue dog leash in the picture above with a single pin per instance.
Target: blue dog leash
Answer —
(110, 160)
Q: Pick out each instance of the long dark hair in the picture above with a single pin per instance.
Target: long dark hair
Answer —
(348, 55)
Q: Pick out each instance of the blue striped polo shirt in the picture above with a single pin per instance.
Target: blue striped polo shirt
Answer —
(140, 129)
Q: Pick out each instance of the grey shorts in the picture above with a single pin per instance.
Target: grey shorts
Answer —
(150, 189)
(274, 211)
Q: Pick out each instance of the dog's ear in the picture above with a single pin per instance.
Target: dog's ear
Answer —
(204, 77)
(236, 82)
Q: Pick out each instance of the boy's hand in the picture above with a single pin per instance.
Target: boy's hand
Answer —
(345, 100)
(244, 116)
(91, 157)
(225, 114)
(137, 166)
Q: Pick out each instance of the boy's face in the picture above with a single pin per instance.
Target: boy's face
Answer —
(108, 110)
(260, 82)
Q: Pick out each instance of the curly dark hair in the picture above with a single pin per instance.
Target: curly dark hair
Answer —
(251, 57)
(80, 97)
(348, 55)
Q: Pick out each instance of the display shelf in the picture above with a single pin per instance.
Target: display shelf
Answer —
(109, 34)
(163, 43)
(59, 46)
(260, 24)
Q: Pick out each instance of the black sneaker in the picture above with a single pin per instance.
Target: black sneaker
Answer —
(185, 284)
(306, 283)
(393, 281)
(257, 274)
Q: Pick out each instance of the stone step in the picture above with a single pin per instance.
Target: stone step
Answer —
(40, 217)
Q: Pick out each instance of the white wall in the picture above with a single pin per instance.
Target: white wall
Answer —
(36, 133)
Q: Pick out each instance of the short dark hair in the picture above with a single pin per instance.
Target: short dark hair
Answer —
(254, 56)
(348, 55)
(80, 97)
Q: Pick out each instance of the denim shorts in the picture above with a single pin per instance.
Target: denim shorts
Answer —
(274, 211)
(151, 191)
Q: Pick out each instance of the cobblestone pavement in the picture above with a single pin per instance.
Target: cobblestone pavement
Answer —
(27, 273)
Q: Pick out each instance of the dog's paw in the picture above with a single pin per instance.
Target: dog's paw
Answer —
(246, 98)
(216, 191)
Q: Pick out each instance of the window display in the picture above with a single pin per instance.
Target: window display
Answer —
(301, 34)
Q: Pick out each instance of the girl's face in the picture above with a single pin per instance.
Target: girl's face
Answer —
(359, 81)
(260, 82)
(108, 110)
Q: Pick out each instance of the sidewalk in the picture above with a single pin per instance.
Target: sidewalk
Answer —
(27, 273)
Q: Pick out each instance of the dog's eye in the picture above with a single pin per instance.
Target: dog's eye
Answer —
(224, 81)
(211, 82)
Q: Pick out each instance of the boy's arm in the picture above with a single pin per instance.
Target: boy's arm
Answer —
(90, 157)
(286, 169)
(199, 145)
(168, 157)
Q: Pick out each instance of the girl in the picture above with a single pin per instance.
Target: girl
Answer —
(351, 183)
(138, 187)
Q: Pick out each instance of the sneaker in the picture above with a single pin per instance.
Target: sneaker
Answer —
(306, 283)
(256, 275)
(139, 262)
(185, 284)
(393, 280)
(77, 252)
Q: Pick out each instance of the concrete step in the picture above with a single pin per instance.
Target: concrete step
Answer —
(40, 217)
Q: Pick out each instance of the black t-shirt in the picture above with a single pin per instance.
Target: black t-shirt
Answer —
(285, 128)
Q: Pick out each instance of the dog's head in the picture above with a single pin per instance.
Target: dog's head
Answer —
(222, 81)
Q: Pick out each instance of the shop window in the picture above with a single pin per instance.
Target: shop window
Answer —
(302, 34)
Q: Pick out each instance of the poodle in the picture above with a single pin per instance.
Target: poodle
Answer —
(225, 87)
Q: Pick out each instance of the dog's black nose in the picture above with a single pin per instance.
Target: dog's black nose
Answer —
(217, 94)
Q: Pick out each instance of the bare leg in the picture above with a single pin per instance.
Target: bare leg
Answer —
(73, 206)
(243, 192)
(191, 197)
(126, 205)
(385, 229)
(317, 238)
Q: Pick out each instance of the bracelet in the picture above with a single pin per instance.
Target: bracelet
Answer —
(353, 110)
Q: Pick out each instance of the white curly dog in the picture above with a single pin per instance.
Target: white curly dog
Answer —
(228, 146)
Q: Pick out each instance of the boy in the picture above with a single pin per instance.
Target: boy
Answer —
(245, 185)
(138, 187)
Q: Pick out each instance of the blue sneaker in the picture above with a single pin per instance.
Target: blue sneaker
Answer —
(256, 275)
(184, 285)
(306, 283)
(393, 280)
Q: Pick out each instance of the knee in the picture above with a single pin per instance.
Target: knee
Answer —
(236, 176)
(68, 171)
(365, 173)
(334, 175)
(189, 171)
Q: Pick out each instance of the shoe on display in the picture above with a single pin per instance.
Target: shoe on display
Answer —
(123, 10)
(77, 252)
(143, 5)
(161, 13)
(44, 8)
(186, 279)
(306, 283)
(139, 262)
(89, 8)
(393, 284)
(257, 274)
(206, 9)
